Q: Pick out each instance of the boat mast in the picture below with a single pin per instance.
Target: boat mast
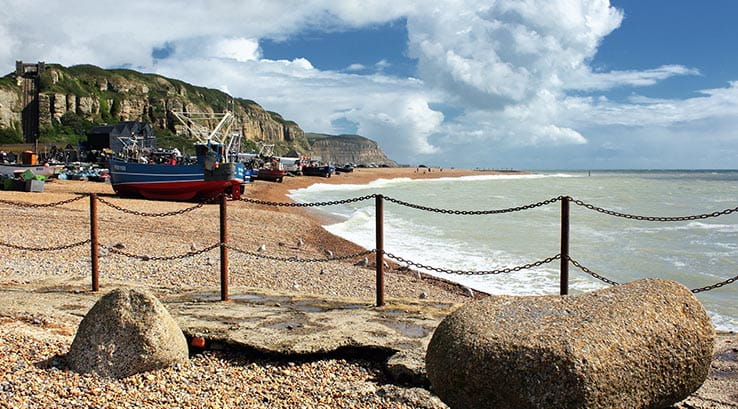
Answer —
(198, 124)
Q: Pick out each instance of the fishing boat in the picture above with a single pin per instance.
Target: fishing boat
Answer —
(318, 170)
(211, 174)
(14, 169)
(264, 165)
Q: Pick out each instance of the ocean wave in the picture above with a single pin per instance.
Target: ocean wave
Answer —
(317, 188)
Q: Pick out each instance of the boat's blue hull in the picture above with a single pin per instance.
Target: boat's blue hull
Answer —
(175, 182)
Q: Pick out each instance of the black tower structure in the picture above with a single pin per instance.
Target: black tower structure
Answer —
(28, 76)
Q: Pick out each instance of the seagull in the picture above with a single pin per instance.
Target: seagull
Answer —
(193, 246)
(469, 292)
(364, 262)
(263, 247)
(300, 242)
(328, 253)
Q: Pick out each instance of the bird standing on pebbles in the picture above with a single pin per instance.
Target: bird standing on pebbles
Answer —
(263, 247)
(300, 242)
(364, 262)
(328, 253)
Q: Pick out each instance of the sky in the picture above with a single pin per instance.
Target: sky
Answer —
(523, 84)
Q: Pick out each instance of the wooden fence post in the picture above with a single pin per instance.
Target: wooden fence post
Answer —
(223, 249)
(379, 207)
(564, 279)
(94, 261)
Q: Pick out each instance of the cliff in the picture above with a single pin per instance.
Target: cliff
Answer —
(342, 149)
(93, 95)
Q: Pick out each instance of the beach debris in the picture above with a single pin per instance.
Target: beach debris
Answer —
(295, 286)
(469, 291)
(322, 271)
(328, 253)
(198, 342)
(423, 295)
(263, 247)
(386, 265)
(363, 262)
(119, 246)
(193, 246)
(647, 341)
(209, 261)
(103, 252)
(281, 244)
(128, 331)
(300, 242)
(419, 276)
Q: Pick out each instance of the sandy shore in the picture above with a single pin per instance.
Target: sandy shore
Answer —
(32, 376)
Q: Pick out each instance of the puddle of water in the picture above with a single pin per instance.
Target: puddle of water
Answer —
(309, 308)
(258, 299)
(407, 329)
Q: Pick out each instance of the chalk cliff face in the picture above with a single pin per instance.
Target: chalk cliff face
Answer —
(10, 109)
(109, 96)
(347, 149)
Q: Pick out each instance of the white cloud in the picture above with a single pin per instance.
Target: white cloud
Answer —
(382, 64)
(355, 67)
(512, 70)
(240, 49)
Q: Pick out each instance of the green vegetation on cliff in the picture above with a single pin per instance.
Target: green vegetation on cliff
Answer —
(74, 99)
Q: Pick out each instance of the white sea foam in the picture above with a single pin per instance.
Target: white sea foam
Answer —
(316, 188)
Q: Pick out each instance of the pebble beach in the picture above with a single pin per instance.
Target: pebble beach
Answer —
(32, 344)
(32, 372)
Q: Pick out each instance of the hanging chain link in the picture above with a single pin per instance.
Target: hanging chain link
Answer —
(473, 212)
(301, 260)
(466, 272)
(316, 204)
(139, 213)
(38, 205)
(653, 218)
(55, 248)
(592, 273)
(160, 258)
(714, 286)
(611, 282)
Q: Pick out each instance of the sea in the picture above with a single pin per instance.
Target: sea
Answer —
(696, 253)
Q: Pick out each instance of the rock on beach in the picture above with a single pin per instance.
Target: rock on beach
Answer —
(128, 331)
(645, 344)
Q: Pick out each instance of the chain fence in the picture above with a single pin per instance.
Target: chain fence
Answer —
(118, 250)
(653, 218)
(147, 214)
(42, 249)
(42, 205)
(300, 260)
(473, 212)
(192, 253)
(539, 263)
(313, 204)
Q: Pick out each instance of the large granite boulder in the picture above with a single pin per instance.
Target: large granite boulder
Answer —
(645, 344)
(126, 332)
